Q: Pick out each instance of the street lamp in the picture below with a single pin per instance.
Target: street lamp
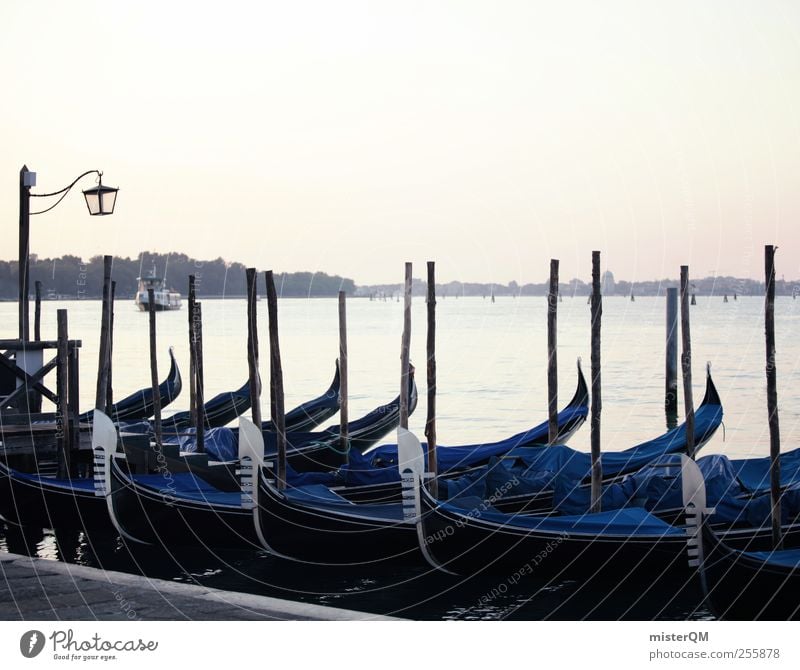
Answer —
(100, 200)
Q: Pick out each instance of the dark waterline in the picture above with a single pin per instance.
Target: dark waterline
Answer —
(413, 592)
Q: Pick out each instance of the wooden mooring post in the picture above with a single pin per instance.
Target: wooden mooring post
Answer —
(671, 363)
(552, 356)
(151, 308)
(74, 394)
(199, 383)
(109, 381)
(597, 312)
(191, 301)
(277, 407)
(37, 312)
(344, 437)
(686, 362)
(772, 398)
(63, 433)
(104, 362)
(252, 346)
(430, 419)
(405, 349)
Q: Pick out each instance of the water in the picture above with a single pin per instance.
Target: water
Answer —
(491, 361)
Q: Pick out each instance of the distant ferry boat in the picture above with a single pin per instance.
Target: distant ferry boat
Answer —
(165, 299)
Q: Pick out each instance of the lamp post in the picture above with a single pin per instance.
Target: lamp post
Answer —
(100, 201)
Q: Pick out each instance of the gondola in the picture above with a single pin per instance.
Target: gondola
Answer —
(313, 522)
(314, 525)
(373, 476)
(470, 536)
(48, 502)
(139, 405)
(219, 411)
(737, 584)
(187, 509)
(225, 407)
(740, 502)
(318, 451)
(547, 479)
(310, 414)
(190, 509)
(308, 451)
(750, 585)
(182, 508)
(178, 509)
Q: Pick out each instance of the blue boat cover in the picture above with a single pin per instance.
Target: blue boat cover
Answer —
(787, 558)
(81, 484)
(379, 465)
(753, 473)
(462, 457)
(221, 444)
(188, 486)
(528, 470)
(321, 497)
(658, 488)
(314, 493)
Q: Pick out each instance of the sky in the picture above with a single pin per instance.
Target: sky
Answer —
(349, 137)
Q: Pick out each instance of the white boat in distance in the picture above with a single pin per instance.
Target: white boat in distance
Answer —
(165, 299)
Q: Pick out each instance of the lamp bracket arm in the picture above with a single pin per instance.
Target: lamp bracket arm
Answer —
(63, 192)
(67, 188)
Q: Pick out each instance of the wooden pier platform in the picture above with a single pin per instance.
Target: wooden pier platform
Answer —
(37, 589)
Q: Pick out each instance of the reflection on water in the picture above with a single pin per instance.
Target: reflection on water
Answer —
(404, 591)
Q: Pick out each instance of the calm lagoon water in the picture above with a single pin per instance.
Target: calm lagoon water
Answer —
(492, 383)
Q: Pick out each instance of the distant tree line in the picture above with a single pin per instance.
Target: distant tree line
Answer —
(707, 286)
(70, 277)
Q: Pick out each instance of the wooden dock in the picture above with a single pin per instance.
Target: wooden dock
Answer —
(37, 589)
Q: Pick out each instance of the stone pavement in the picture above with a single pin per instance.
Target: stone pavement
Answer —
(38, 589)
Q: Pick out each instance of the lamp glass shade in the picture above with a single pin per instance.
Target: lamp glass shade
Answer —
(100, 199)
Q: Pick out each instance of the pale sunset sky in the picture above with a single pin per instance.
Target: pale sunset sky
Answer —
(349, 137)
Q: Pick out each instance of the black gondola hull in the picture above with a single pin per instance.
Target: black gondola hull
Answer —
(740, 587)
(324, 537)
(152, 517)
(466, 545)
(29, 503)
